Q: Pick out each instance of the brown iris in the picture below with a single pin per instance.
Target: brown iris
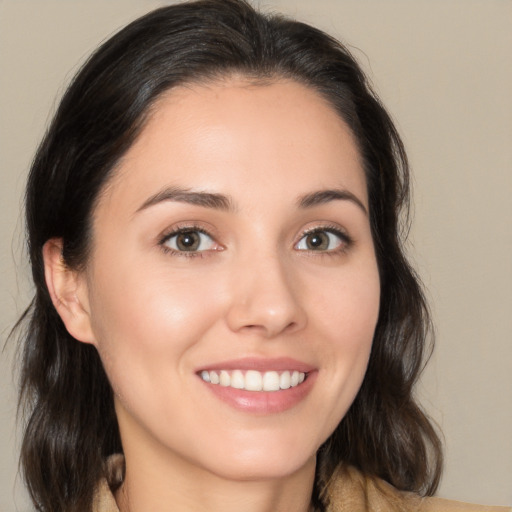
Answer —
(317, 241)
(188, 241)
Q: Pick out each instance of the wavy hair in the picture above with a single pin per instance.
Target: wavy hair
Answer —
(70, 426)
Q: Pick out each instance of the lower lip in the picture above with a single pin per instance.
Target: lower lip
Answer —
(263, 402)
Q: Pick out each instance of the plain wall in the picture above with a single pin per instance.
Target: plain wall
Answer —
(443, 69)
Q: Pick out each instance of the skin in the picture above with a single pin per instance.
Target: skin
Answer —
(256, 290)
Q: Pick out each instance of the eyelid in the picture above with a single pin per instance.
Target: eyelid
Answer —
(345, 239)
(178, 229)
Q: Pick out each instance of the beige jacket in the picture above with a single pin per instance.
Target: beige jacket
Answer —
(351, 492)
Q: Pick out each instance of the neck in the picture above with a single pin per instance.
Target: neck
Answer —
(163, 479)
(164, 490)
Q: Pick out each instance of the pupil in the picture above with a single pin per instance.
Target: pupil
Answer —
(188, 241)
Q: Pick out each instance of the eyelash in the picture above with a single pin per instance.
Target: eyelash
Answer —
(177, 231)
(346, 241)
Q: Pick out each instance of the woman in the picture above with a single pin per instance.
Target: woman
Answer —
(221, 293)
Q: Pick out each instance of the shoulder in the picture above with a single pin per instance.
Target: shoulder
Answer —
(442, 505)
(104, 500)
(351, 490)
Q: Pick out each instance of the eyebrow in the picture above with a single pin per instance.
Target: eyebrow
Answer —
(222, 202)
(325, 196)
(197, 198)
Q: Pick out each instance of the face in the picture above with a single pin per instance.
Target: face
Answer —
(232, 289)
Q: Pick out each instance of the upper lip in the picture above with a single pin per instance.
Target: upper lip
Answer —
(279, 364)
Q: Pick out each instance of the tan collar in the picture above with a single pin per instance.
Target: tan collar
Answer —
(350, 491)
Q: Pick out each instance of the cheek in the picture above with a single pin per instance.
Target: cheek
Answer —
(348, 306)
(346, 316)
(145, 321)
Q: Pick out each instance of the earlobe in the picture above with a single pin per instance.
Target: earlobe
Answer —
(68, 291)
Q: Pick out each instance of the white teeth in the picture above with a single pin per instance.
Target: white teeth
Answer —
(253, 380)
(237, 380)
(284, 381)
(271, 381)
(224, 379)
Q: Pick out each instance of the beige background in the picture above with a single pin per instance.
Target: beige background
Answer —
(443, 68)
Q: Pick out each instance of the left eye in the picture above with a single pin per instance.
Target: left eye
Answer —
(320, 240)
(190, 241)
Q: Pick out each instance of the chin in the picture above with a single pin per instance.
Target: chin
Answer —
(266, 461)
(250, 469)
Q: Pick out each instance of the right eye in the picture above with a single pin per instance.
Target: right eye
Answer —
(327, 240)
(189, 240)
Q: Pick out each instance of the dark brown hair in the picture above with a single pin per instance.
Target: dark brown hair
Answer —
(71, 427)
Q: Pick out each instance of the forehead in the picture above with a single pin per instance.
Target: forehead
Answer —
(233, 136)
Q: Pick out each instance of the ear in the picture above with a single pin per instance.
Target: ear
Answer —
(68, 291)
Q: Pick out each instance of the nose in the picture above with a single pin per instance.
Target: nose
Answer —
(265, 298)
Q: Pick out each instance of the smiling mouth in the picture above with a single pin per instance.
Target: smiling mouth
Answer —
(253, 380)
